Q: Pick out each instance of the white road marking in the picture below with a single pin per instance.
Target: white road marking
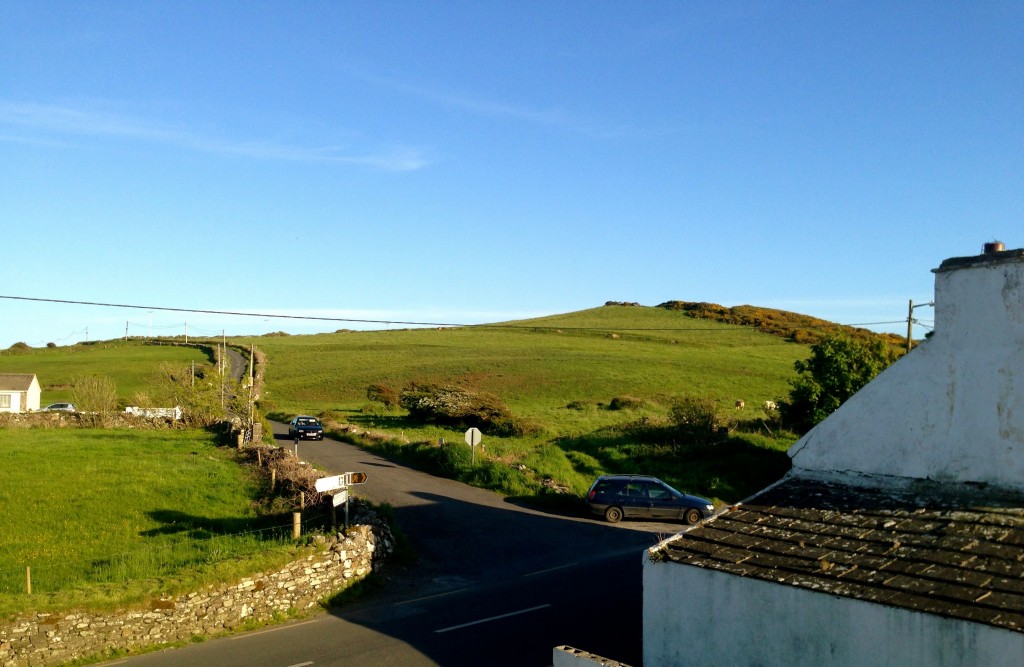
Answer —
(550, 569)
(301, 664)
(492, 618)
(431, 597)
(275, 629)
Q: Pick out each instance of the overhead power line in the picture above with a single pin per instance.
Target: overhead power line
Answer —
(321, 318)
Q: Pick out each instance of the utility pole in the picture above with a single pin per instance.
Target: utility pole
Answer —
(910, 319)
(910, 322)
(186, 333)
(252, 356)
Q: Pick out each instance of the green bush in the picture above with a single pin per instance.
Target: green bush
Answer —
(94, 393)
(697, 418)
(382, 393)
(626, 403)
(838, 368)
(449, 405)
(452, 458)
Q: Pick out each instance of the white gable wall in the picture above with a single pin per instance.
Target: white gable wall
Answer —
(951, 410)
(697, 616)
(32, 396)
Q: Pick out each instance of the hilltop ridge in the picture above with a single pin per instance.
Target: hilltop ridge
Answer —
(785, 324)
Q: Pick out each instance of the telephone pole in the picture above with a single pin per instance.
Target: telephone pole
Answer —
(910, 319)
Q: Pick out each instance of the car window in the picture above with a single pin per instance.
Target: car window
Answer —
(633, 490)
(658, 492)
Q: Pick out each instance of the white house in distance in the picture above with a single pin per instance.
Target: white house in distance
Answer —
(19, 392)
(898, 536)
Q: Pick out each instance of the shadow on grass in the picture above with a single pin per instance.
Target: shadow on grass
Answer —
(174, 522)
(384, 422)
(730, 470)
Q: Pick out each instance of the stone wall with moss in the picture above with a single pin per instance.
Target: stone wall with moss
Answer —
(333, 564)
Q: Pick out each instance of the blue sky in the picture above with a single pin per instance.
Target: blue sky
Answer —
(468, 162)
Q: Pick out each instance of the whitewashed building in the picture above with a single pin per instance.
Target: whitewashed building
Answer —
(898, 536)
(19, 392)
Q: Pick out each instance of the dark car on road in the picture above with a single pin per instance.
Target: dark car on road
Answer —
(305, 427)
(644, 497)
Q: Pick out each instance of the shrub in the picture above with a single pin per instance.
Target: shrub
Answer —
(451, 458)
(697, 418)
(626, 403)
(837, 369)
(454, 406)
(383, 393)
(94, 393)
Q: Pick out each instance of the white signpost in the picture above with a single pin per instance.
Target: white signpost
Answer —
(338, 487)
(473, 438)
(330, 483)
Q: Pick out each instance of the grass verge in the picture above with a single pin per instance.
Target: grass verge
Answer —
(103, 519)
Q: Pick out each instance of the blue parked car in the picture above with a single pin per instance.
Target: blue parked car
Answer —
(644, 497)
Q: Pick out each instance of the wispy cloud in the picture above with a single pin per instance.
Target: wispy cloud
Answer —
(42, 122)
(552, 117)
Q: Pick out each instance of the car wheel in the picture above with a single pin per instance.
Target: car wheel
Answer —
(692, 516)
(613, 514)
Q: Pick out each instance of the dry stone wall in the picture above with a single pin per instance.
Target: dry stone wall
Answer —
(49, 639)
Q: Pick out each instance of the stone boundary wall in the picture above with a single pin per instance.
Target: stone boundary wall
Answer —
(39, 639)
(121, 420)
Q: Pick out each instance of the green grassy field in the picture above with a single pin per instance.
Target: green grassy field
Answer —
(105, 517)
(590, 356)
(560, 373)
(131, 365)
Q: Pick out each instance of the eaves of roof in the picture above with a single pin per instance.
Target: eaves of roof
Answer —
(952, 550)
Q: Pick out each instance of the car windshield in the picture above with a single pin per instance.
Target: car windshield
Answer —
(307, 422)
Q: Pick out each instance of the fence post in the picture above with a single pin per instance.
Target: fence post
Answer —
(28, 579)
(296, 525)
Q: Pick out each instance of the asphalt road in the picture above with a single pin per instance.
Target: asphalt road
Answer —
(494, 584)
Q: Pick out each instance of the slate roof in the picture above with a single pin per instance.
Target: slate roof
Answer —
(952, 550)
(16, 381)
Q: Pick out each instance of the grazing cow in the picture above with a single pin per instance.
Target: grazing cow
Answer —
(739, 405)
(771, 405)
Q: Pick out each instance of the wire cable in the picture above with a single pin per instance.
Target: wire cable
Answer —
(321, 318)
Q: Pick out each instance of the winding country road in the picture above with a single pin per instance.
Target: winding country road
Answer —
(494, 584)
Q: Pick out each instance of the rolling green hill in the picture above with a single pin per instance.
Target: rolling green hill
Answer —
(130, 364)
(537, 366)
(562, 374)
(595, 389)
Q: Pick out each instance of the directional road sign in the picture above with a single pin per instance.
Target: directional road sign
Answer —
(354, 478)
(330, 483)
